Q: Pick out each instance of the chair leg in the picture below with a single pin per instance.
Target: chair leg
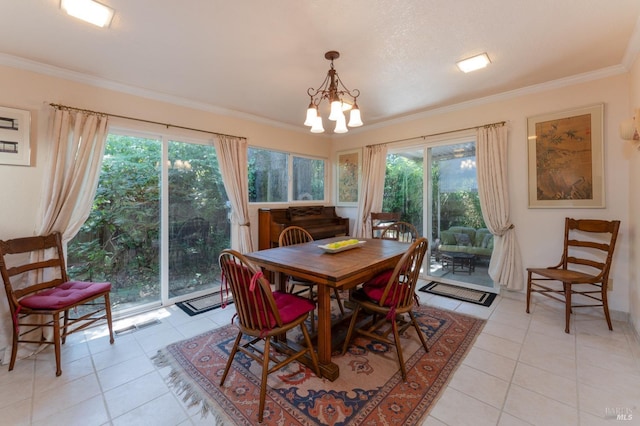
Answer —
(528, 291)
(567, 311)
(352, 325)
(605, 306)
(420, 335)
(312, 313)
(65, 322)
(312, 354)
(265, 374)
(107, 308)
(231, 356)
(57, 341)
(398, 344)
(337, 294)
(14, 346)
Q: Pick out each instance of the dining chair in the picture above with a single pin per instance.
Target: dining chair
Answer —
(581, 277)
(41, 296)
(388, 300)
(262, 315)
(403, 232)
(292, 235)
(380, 220)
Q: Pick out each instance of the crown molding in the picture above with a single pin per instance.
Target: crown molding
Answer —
(632, 52)
(65, 74)
(528, 90)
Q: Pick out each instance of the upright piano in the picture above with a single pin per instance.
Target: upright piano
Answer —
(320, 221)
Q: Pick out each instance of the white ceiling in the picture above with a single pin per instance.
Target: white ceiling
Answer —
(257, 58)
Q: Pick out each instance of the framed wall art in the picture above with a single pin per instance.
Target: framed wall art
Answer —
(348, 177)
(15, 148)
(566, 159)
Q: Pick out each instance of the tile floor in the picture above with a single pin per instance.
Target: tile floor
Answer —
(523, 369)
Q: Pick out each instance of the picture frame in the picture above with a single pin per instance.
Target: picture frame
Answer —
(348, 172)
(566, 159)
(15, 131)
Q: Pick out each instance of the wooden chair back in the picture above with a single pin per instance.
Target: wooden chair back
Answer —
(401, 287)
(252, 295)
(589, 245)
(403, 232)
(381, 220)
(33, 259)
(294, 235)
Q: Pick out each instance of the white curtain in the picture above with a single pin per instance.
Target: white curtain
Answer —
(77, 142)
(505, 267)
(374, 164)
(232, 155)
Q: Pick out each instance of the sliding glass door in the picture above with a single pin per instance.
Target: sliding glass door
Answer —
(435, 187)
(198, 218)
(159, 220)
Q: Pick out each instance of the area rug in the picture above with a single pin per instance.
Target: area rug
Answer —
(370, 389)
(202, 304)
(483, 298)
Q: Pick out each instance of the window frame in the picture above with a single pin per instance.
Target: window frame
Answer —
(290, 156)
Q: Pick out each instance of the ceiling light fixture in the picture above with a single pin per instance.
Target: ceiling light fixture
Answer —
(334, 90)
(89, 10)
(474, 63)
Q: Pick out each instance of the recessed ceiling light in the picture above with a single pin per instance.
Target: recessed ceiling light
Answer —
(474, 63)
(89, 10)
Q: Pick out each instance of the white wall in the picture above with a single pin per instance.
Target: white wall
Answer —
(22, 186)
(539, 231)
(633, 156)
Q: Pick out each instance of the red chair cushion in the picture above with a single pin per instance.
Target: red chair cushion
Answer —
(291, 306)
(379, 280)
(375, 294)
(66, 294)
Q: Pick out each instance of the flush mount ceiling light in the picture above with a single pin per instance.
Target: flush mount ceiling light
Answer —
(89, 10)
(334, 91)
(474, 63)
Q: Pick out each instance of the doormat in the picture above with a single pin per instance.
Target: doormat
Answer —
(483, 298)
(203, 304)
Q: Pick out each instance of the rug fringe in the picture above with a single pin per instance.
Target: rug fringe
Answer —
(185, 388)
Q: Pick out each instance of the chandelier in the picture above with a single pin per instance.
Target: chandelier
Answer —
(334, 91)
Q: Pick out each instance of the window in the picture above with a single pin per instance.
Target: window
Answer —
(158, 222)
(282, 177)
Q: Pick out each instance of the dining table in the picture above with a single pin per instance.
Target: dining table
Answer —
(329, 269)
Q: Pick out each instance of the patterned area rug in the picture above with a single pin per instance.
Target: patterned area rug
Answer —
(483, 298)
(369, 390)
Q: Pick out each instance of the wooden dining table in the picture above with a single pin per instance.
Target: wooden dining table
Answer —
(343, 270)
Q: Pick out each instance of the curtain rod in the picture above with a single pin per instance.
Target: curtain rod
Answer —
(497, 123)
(167, 125)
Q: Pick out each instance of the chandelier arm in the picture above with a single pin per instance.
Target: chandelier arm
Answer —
(321, 89)
(353, 93)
